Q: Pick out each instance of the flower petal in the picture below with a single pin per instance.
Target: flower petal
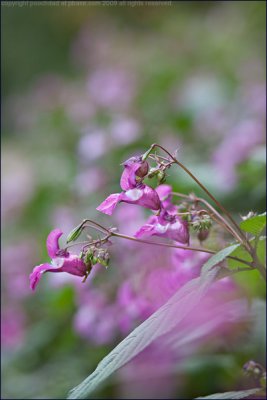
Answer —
(133, 168)
(36, 274)
(165, 196)
(179, 231)
(176, 230)
(108, 205)
(52, 242)
(146, 229)
(164, 192)
(148, 199)
(133, 194)
(128, 177)
(74, 265)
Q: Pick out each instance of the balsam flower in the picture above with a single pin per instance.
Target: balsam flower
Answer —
(165, 195)
(61, 261)
(134, 191)
(166, 225)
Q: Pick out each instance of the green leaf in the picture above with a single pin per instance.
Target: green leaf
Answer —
(218, 257)
(254, 225)
(239, 252)
(166, 318)
(261, 249)
(242, 253)
(241, 394)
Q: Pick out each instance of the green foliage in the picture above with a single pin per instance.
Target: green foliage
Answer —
(254, 225)
(218, 257)
(261, 249)
(250, 280)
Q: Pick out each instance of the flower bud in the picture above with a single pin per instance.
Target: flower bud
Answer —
(200, 223)
(103, 257)
(75, 233)
(152, 172)
(161, 176)
(88, 257)
(143, 169)
(203, 234)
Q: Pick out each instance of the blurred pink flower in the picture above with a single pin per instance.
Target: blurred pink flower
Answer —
(94, 144)
(89, 181)
(150, 375)
(236, 148)
(12, 326)
(16, 260)
(220, 315)
(96, 318)
(124, 130)
(15, 168)
(111, 87)
(64, 217)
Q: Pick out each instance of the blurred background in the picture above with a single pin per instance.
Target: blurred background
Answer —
(84, 88)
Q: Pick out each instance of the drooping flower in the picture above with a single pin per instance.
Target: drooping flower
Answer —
(134, 191)
(166, 225)
(61, 261)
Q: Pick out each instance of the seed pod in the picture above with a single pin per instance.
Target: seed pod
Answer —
(75, 233)
(203, 234)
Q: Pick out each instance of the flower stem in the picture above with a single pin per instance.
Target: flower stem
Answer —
(252, 250)
(220, 219)
(122, 236)
(242, 237)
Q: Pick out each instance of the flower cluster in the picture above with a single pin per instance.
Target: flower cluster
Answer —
(166, 222)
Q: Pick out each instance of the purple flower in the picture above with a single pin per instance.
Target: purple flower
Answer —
(61, 261)
(134, 170)
(134, 192)
(166, 225)
(96, 318)
(143, 196)
(165, 196)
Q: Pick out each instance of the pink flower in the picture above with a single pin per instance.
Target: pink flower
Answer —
(62, 261)
(96, 317)
(166, 225)
(134, 191)
(12, 326)
(111, 88)
(165, 196)
(134, 170)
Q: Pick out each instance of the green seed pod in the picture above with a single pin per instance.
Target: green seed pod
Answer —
(75, 233)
